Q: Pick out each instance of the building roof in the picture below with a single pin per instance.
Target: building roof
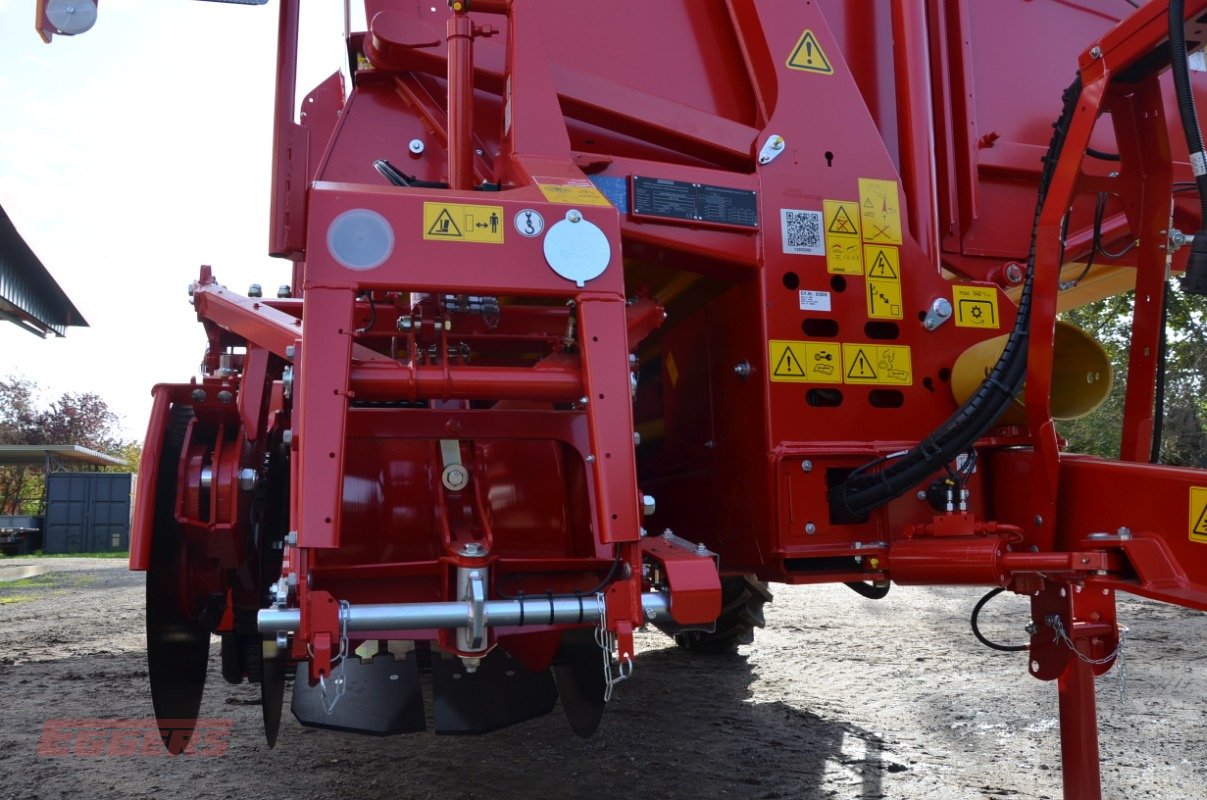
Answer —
(29, 296)
(35, 455)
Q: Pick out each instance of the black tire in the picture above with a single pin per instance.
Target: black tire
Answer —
(742, 601)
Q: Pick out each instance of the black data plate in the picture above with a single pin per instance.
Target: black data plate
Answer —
(696, 202)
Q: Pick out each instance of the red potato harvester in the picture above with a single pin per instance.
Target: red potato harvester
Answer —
(793, 268)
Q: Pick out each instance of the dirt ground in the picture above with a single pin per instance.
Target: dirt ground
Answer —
(840, 697)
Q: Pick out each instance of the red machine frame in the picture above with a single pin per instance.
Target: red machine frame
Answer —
(742, 463)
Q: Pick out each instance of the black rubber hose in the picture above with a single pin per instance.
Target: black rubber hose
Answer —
(870, 590)
(1159, 398)
(1195, 281)
(976, 629)
(862, 493)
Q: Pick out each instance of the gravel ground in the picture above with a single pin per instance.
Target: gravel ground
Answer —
(840, 697)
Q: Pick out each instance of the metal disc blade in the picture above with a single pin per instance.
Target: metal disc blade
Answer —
(580, 681)
(272, 697)
(178, 647)
(177, 658)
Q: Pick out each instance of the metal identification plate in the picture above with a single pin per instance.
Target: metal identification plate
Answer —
(697, 202)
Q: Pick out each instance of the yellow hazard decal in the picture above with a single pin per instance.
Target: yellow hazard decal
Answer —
(804, 362)
(1198, 514)
(975, 306)
(451, 222)
(887, 365)
(884, 282)
(844, 254)
(808, 56)
(672, 371)
(571, 191)
(879, 211)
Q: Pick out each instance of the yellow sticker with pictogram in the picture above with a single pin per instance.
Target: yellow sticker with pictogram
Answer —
(975, 306)
(882, 365)
(453, 222)
(879, 211)
(844, 254)
(884, 299)
(808, 56)
(1198, 514)
(804, 362)
(571, 191)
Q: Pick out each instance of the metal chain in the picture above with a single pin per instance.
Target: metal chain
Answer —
(339, 663)
(607, 643)
(1060, 635)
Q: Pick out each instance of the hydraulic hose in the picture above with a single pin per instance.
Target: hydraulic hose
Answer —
(865, 490)
(1195, 281)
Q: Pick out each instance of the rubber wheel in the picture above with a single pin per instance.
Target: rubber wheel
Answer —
(742, 601)
(178, 645)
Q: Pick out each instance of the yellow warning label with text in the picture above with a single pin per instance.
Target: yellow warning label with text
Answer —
(1198, 514)
(804, 362)
(975, 306)
(452, 222)
(884, 365)
(808, 56)
(844, 254)
(879, 211)
(571, 191)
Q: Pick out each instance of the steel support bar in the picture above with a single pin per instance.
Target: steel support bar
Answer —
(386, 380)
(1079, 732)
(498, 613)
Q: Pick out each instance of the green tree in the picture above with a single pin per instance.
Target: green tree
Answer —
(1184, 439)
(73, 418)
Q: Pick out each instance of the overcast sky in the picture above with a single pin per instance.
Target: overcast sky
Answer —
(129, 156)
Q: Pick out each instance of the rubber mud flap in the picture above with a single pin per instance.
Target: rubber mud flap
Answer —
(381, 697)
(499, 693)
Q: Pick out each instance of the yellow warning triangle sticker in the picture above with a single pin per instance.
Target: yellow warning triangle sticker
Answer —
(808, 56)
(445, 226)
(1201, 527)
(882, 267)
(788, 366)
(842, 223)
(862, 367)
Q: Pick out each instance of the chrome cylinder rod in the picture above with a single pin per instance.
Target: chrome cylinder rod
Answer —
(498, 613)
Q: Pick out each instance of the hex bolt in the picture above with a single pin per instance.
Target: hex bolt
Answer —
(255, 290)
(810, 528)
(648, 505)
(291, 351)
(199, 395)
(416, 147)
(1014, 273)
(921, 495)
(636, 438)
(1039, 521)
(248, 479)
(287, 437)
(284, 291)
(574, 215)
(473, 549)
(1095, 52)
(226, 396)
(742, 369)
(291, 538)
(701, 549)
(806, 465)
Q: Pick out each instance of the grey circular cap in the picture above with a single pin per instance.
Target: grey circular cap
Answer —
(70, 17)
(360, 239)
(577, 249)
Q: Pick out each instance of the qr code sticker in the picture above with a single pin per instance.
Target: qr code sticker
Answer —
(803, 234)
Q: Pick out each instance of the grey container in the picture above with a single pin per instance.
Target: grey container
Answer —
(87, 512)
